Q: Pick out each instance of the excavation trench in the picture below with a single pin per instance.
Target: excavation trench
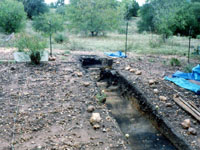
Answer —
(144, 128)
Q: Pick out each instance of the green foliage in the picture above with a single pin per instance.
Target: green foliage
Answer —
(48, 24)
(175, 62)
(35, 7)
(12, 16)
(61, 38)
(101, 97)
(94, 17)
(61, 10)
(147, 15)
(168, 17)
(198, 36)
(130, 8)
(32, 45)
(188, 68)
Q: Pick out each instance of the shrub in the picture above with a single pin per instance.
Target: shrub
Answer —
(198, 36)
(60, 38)
(49, 24)
(33, 46)
(35, 7)
(101, 97)
(12, 16)
(175, 62)
(188, 68)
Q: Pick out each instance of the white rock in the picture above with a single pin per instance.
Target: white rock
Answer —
(132, 70)
(127, 68)
(138, 72)
(86, 84)
(90, 108)
(163, 98)
(186, 123)
(95, 118)
(156, 91)
(127, 136)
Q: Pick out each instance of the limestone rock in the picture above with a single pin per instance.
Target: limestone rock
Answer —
(52, 58)
(127, 136)
(151, 82)
(86, 84)
(96, 126)
(127, 68)
(132, 70)
(186, 123)
(95, 118)
(138, 72)
(79, 74)
(156, 91)
(163, 98)
(90, 108)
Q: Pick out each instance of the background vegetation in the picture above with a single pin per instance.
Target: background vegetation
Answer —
(158, 27)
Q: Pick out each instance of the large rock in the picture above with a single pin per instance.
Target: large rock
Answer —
(186, 123)
(95, 118)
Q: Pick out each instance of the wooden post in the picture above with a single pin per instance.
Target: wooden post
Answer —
(189, 44)
(126, 44)
(50, 45)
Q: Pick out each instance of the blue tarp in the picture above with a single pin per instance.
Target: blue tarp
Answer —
(116, 54)
(195, 75)
(182, 79)
(185, 84)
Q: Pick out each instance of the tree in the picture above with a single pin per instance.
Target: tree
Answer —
(60, 3)
(147, 16)
(163, 16)
(48, 24)
(132, 6)
(35, 7)
(93, 16)
(12, 16)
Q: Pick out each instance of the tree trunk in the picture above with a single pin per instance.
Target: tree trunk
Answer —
(92, 33)
(126, 44)
(50, 45)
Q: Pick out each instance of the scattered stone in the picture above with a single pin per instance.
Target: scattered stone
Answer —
(169, 105)
(104, 130)
(186, 123)
(108, 118)
(132, 70)
(151, 82)
(79, 74)
(90, 108)
(128, 68)
(86, 84)
(52, 58)
(138, 72)
(127, 136)
(96, 126)
(156, 91)
(192, 131)
(163, 98)
(95, 118)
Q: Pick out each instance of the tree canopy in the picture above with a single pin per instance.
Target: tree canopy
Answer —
(93, 16)
(168, 17)
(35, 7)
(12, 16)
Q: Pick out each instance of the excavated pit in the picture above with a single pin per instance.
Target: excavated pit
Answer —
(135, 115)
